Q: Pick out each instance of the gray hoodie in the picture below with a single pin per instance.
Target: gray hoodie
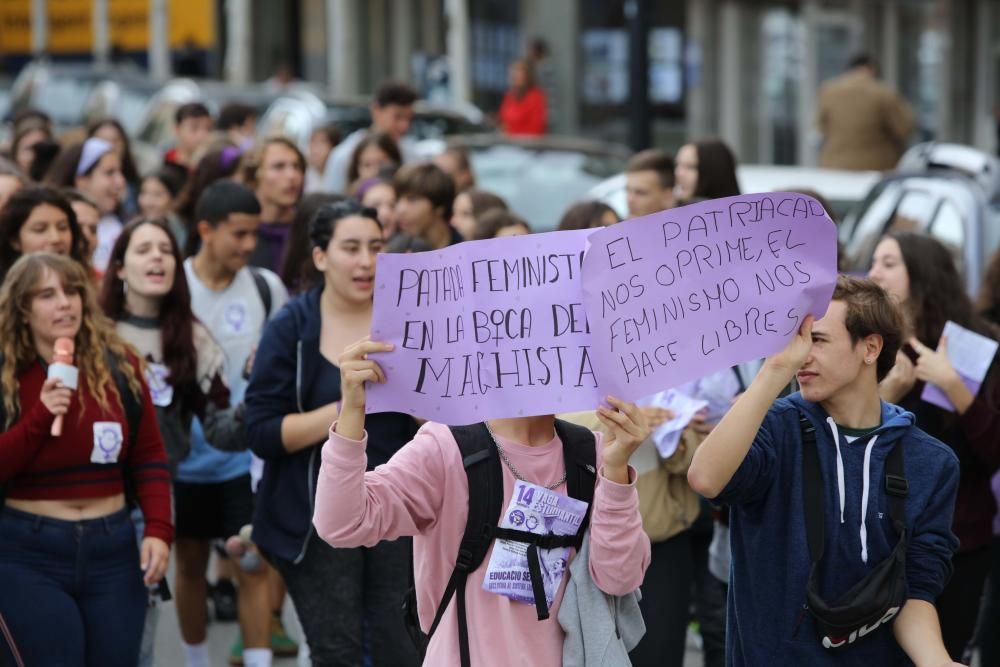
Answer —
(600, 629)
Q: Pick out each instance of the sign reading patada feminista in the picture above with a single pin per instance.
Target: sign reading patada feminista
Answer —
(541, 324)
(485, 329)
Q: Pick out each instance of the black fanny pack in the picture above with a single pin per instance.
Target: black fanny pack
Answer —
(873, 602)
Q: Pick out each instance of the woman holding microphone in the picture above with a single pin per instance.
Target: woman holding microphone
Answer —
(68, 557)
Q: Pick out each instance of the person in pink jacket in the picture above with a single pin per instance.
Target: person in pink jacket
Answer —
(423, 491)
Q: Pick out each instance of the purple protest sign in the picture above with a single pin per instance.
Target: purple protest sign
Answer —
(679, 294)
(484, 330)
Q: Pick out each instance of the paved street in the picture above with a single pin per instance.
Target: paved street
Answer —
(169, 652)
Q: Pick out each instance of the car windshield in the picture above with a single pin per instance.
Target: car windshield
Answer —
(945, 208)
(539, 185)
(63, 98)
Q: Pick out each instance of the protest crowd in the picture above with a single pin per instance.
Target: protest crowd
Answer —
(187, 356)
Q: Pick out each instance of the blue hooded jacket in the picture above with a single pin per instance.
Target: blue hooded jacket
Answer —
(767, 621)
(291, 375)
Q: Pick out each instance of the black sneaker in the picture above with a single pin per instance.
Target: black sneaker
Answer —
(224, 600)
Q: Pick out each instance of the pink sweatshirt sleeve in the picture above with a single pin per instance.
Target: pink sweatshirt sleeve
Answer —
(619, 548)
(402, 497)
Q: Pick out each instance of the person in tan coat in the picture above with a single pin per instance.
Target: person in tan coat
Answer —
(865, 124)
(668, 508)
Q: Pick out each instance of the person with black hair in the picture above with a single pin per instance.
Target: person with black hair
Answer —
(238, 121)
(322, 141)
(30, 117)
(469, 208)
(392, 113)
(705, 169)
(145, 293)
(864, 123)
(22, 147)
(427, 490)
(219, 162)
(192, 128)
(588, 215)
(380, 194)
(920, 274)
(94, 168)
(38, 219)
(455, 162)
(498, 223)
(158, 194)
(374, 154)
(234, 302)
(297, 270)
(341, 595)
(988, 306)
(424, 197)
(88, 216)
(112, 131)
(840, 506)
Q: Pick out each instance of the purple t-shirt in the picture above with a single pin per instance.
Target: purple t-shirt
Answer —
(272, 239)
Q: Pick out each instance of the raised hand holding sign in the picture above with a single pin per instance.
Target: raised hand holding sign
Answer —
(555, 322)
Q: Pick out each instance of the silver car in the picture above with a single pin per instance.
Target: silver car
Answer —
(949, 191)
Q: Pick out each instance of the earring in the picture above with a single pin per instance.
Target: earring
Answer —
(869, 361)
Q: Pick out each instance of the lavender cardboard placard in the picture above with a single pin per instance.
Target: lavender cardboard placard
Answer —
(677, 295)
(485, 329)
(555, 322)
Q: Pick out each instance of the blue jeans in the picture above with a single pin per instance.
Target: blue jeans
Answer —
(71, 592)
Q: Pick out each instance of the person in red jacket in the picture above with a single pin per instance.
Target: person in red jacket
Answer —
(524, 109)
(73, 585)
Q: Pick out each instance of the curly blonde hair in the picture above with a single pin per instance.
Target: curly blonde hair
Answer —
(94, 340)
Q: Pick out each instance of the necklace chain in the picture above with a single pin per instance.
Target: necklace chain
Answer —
(510, 466)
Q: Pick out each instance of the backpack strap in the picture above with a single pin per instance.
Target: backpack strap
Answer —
(485, 477)
(580, 454)
(131, 404)
(896, 488)
(263, 289)
(482, 468)
(812, 491)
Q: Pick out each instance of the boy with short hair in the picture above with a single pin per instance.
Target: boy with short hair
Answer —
(276, 170)
(837, 501)
(424, 195)
(192, 127)
(212, 491)
(238, 123)
(392, 113)
(649, 182)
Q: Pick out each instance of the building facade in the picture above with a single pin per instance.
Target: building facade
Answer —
(748, 71)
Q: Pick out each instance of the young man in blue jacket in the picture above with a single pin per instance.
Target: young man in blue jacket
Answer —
(753, 461)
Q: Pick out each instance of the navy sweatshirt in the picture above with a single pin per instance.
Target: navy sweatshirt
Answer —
(291, 375)
(766, 622)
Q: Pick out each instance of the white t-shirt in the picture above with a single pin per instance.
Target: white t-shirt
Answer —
(236, 317)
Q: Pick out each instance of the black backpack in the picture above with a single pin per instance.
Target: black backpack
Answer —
(485, 476)
(263, 289)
